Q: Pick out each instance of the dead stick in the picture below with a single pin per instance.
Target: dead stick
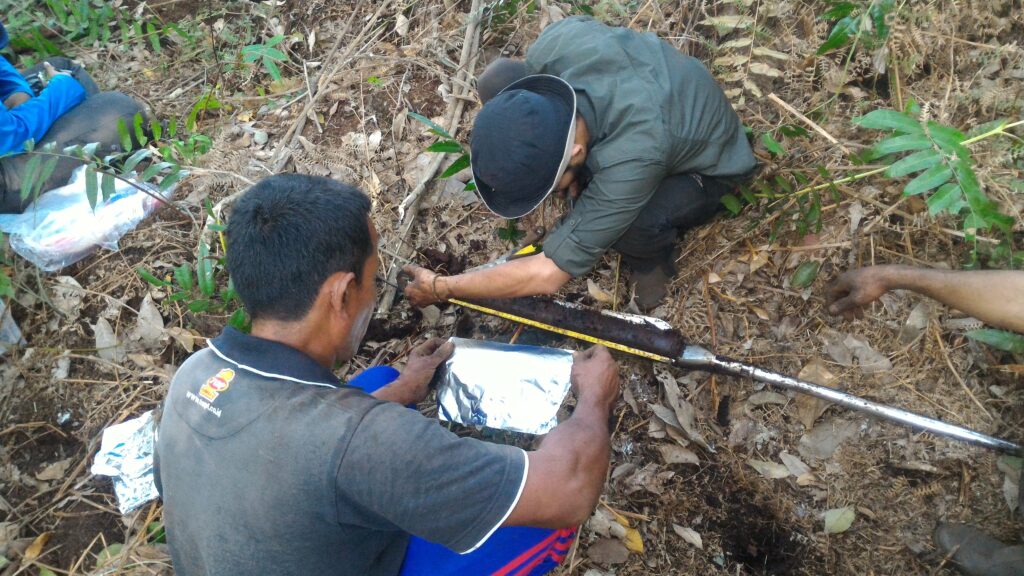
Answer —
(949, 363)
(467, 62)
(813, 125)
(280, 154)
(714, 340)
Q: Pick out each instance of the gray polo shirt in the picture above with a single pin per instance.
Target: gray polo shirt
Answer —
(652, 112)
(268, 465)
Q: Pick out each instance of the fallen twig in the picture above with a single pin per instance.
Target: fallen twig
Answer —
(467, 62)
(811, 123)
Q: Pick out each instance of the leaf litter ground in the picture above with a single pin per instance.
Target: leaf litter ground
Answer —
(793, 486)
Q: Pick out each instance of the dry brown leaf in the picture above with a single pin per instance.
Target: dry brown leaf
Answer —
(762, 51)
(916, 322)
(183, 337)
(755, 91)
(689, 535)
(795, 465)
(729, 22)
(597, 293)
(8, 533)
(760, 312)
(54, 471)
(821, 442)
(627, 395)
(149, 326)
(755, 260)
(770, 470)
(765, 70)
(108, 347)
(608, 551)
(677, 455)
(666, 415)
(869, 360)
(730, 60)
(767, 397)
(738, 43)
(67, 296)
(809, 408)
(806, 479)
(604, 523)
(684, 411)
(36, 548)
(651, 478)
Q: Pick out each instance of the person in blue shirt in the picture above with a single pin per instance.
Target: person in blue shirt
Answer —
(55, 101)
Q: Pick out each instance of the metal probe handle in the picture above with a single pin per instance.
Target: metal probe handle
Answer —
(702, 359)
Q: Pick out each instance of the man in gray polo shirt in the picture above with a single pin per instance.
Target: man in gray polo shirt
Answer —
(267, 464)
(642, 134)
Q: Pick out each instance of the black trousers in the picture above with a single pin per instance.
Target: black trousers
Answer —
(94, 120)
(681, 202)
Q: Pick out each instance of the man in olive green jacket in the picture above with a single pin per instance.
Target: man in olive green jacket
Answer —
(639, 135)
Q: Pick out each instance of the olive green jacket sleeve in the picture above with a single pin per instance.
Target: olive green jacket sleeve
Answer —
(603, 213)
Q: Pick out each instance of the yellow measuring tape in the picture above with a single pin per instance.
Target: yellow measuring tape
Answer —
(562, 331)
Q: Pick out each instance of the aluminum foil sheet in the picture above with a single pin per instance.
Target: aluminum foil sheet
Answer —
(504, 386)
(126, 455)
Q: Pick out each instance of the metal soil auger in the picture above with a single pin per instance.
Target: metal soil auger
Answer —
(656, 340)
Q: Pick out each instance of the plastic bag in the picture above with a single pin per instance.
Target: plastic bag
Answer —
(60, 228)
(10, 334)
(126, 455)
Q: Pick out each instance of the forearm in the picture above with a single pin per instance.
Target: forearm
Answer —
(995, 297)
(528, 276)
(396, 392)
(585, 438)
(567, 473)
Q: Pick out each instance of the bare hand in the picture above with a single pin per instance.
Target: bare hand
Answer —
(855, 289)
(414, 383)
(51, 73)
(595, 374)
(425, 288)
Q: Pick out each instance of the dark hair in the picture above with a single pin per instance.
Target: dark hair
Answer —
(287, 234)
(499, 74)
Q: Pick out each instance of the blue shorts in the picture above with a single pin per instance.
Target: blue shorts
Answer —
(510, 551)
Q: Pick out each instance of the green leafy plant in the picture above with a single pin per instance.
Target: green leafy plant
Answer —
(1000, 339)
(82, 21)
(151, 144)
(806, 211)
(937, 157)
(266, 54)
(862, 23)
(502, 12)
(446, 144)
(206, 103)
(510, 232)
(203, 287)
(6, 285)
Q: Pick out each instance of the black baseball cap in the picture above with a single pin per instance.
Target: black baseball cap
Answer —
(522, 142)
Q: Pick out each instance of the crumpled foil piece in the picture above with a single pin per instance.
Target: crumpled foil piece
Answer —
(503, 386)
(126, 455)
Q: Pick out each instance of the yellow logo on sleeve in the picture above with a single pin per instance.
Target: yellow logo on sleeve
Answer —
(217, 384)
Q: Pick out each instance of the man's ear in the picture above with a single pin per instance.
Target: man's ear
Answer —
(341, 287)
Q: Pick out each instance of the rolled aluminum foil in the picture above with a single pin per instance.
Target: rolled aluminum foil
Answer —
(126, 455)
(503, 386)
